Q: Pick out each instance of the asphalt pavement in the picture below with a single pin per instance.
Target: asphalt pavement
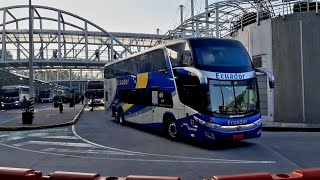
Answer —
(98, 144)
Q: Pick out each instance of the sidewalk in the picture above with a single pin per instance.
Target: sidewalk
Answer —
(47, 118)
(281, 126)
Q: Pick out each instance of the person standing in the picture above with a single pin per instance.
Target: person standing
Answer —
(25, 104)
(82, 98)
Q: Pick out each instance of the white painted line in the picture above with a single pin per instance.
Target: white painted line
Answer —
(136, 160)
(38, 134)
(169, 156)
(275, 152)
(58, 137)
(54, 144)
(4, 135)
(14, 138)
(88, 151)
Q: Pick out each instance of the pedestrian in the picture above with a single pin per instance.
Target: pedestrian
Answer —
(25, 103)
(92, 99)
(82, 98)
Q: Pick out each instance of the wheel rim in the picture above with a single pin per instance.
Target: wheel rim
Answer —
(172, 129)
(121, 119)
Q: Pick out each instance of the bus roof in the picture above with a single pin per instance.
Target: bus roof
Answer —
(168, 43)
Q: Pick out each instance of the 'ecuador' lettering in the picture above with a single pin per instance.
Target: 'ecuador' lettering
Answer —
(235, 76)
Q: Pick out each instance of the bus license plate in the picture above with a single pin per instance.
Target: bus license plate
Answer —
(238, 136)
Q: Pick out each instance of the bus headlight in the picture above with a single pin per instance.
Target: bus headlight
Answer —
(16, 102)
(213, 125)
(258, 122)
(199, 120)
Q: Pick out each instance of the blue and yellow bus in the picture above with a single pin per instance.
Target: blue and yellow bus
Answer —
(200, 88)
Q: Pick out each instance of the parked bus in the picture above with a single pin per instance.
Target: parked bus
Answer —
(200, 88)
(12, 96)
(46, 96)
(95, 91)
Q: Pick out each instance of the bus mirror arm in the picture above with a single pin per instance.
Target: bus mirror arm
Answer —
(269, 74)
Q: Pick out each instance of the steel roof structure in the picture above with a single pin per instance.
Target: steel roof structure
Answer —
(9, 78)
(225, 17)
(67, 47)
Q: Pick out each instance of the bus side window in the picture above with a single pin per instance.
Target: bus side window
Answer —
(159, 61)
(180, 55)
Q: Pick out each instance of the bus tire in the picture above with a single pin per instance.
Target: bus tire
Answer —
(122, 120)
(120, 117)
(171, 129)
(114, 111)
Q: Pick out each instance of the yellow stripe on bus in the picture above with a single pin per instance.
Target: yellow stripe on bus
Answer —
(126, 106)
(142, 80)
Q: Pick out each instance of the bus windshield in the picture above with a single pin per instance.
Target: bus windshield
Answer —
(216, 55)
(10, 92)
(45, 94)
(233, 97)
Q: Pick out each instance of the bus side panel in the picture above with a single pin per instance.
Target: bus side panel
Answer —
(134, 113)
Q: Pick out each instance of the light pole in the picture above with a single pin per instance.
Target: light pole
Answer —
(31, 57)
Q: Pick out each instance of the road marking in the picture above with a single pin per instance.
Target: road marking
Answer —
(40, 134)
(123, 159)
(54, 144)
(294, 164)
(88, 151)
(4, 135)
(12, 138)
(6, 138)
(169, 156)
(59, 137)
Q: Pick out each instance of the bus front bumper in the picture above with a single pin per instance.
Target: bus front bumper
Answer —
(218, 135)
(203, 132)
(9, 105)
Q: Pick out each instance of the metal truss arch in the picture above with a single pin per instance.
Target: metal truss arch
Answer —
(225, 17)
(63, 41)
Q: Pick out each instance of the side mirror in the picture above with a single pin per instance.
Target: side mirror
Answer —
(269, 74)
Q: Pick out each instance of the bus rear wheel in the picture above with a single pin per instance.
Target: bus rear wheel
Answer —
(120, 117)
(171, 129)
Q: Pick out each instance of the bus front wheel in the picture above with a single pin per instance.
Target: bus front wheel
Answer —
(171, 129)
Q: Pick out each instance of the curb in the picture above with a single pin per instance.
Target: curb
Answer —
(291, 129)
(73, 121)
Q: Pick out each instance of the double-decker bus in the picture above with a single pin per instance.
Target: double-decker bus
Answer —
(95, 92)
(12, 96)
(200, 88)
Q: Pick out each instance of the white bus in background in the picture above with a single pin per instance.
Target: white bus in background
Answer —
(59, 92)
(12, 96)
(46, 95)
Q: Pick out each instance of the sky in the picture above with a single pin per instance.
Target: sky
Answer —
(138, 16)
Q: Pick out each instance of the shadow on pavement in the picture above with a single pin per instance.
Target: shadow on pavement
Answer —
(208, 146)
